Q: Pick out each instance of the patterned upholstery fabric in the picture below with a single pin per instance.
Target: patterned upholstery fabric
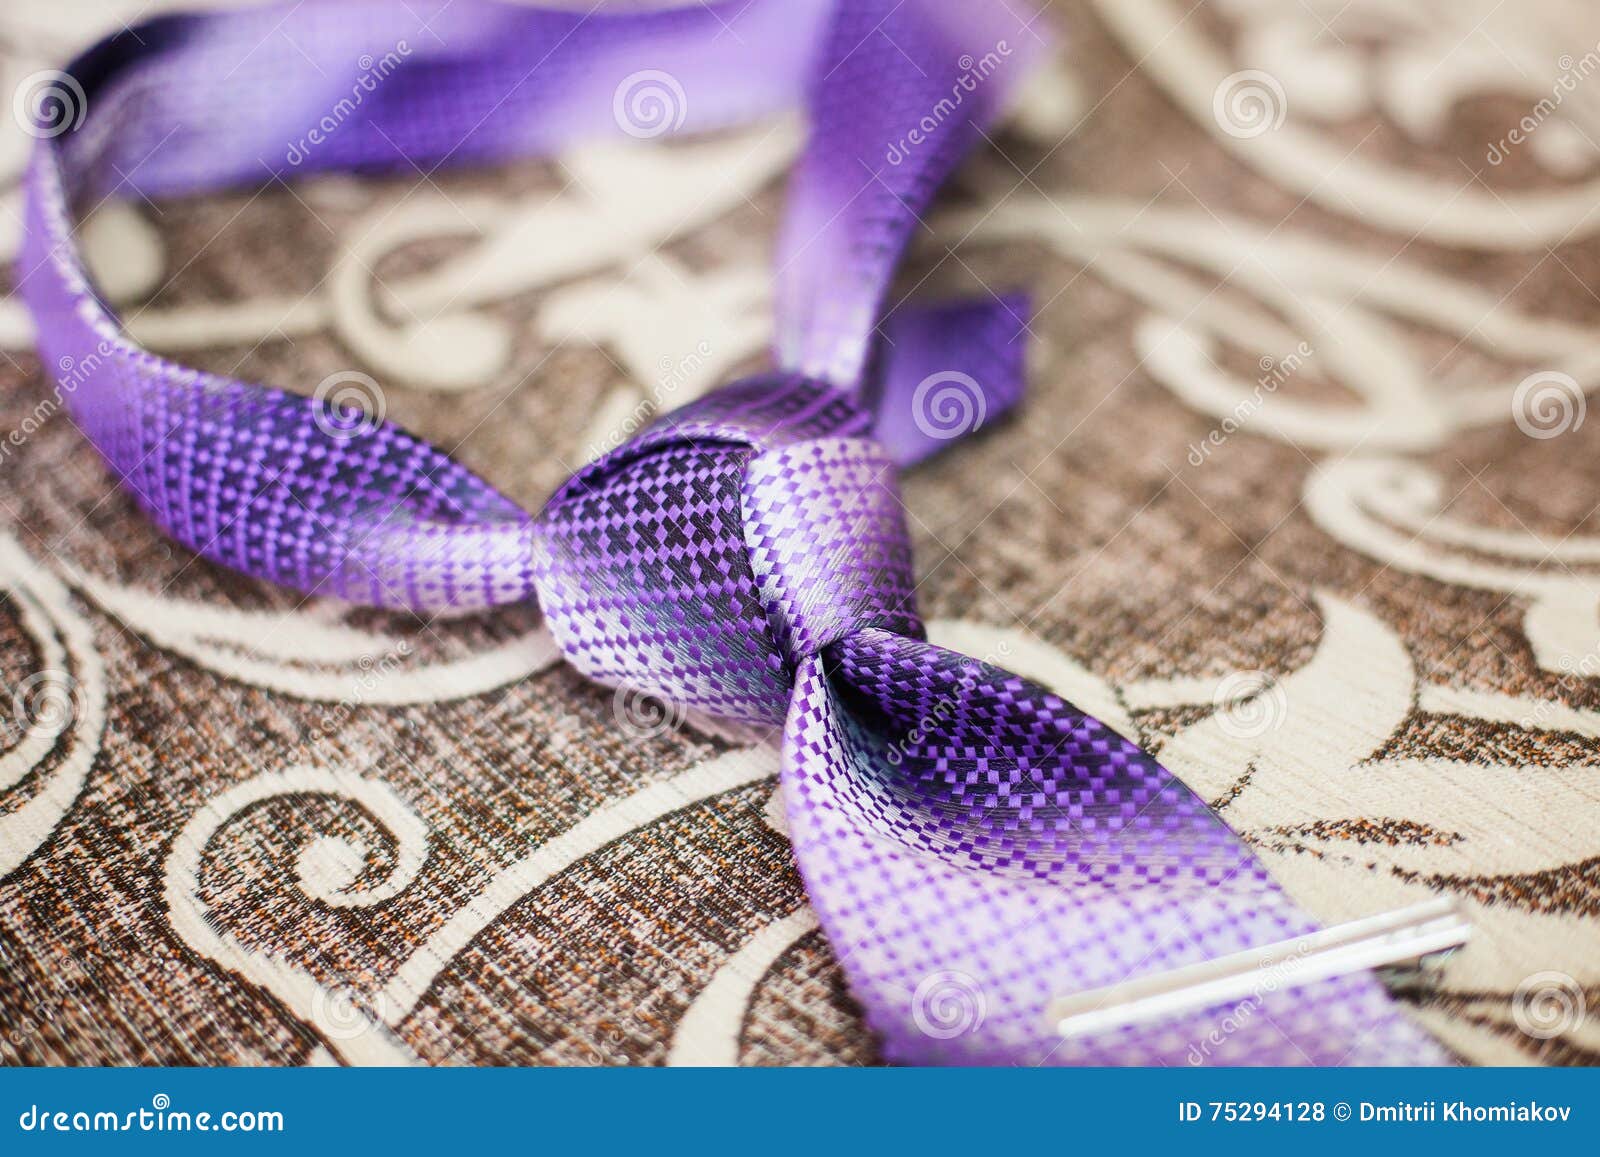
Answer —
(1302, 486)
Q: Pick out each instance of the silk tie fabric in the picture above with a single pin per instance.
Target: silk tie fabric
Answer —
(973, 845)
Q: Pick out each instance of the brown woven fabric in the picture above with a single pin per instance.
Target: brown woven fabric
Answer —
(277, 817)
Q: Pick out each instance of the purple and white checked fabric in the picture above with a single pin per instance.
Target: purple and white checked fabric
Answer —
(974, 846)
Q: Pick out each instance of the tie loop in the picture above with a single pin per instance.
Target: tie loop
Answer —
(705, 560)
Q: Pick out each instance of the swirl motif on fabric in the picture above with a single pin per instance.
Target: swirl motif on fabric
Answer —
(972, 843)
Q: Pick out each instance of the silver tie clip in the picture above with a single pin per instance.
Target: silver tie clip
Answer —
(1403, 936)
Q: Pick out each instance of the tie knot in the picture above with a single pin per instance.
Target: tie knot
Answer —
(704, 560)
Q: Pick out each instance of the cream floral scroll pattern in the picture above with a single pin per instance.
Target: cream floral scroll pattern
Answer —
(1355, 832)
(59, 709)
(1433, 53)
(1347, 816)
(1392, 510)
(311, 653)
(430, 330)
(1351, 310)
(328, 872)
(306, 653)
(365, 1026)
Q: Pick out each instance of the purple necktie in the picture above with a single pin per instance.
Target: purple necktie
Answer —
(974, 846)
